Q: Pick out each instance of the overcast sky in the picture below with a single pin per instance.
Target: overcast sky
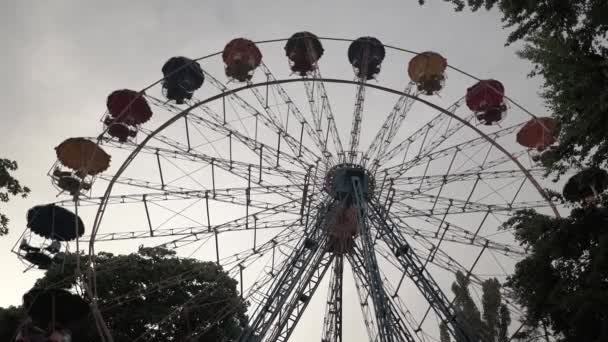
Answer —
(60, 59)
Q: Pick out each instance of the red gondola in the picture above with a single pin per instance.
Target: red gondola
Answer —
(538, 133)
(120, 130)
(128, 107)
(366, 54)
(303, 49)
(241, 57)
(486, 99)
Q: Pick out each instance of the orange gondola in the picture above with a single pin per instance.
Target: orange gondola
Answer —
(83, 156)
(427, 71)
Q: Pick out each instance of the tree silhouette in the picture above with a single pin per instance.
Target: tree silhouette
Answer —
(492, 325)
(9, 187)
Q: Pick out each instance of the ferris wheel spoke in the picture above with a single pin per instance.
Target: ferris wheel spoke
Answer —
(279, 244)
(422, 133)
(270, 120)
(433, 255)
(237, 168)
(355, 131)
(265, 153)
(452, 206)
(452, 266)
(398, 329)
(315, 133)
(384, 137)
(407, 164)
(195, 232)
(237, 196)
(449, 231)
(417, 272)
(401, 310)
(446, 263)
(363, 294)
(320, 107)
(300, 154)
(515, 183)
(439, 258)
(249, 222)
(430, 182)
(477, 172)
(218, 125)
(332, 322)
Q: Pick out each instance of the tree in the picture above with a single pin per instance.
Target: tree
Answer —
(563, 282)
(157, 296)
(492, 326)
(9, 186)
(10, 319)
(566, 42)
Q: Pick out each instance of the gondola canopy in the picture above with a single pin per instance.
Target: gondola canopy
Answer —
(365, 55)
(486, 99)
(538, 133)
(427, 70)
(182, 77)
(128, 107)
(241, 57)
(303, 49)
(83, 156)
(54, 222)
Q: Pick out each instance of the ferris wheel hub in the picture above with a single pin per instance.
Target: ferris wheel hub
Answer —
(339, 180)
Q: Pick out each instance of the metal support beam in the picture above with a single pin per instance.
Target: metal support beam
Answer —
(332, 324)
(385, 327)
(293, 310)
(288, 278)
(401, 333)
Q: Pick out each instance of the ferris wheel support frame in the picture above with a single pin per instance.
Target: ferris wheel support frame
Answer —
(402, 333)
(223, 94)
(332, 324)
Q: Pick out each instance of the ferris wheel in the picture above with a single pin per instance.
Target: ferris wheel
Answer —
(293, 177)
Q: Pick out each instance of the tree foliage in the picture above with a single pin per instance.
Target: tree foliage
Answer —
(563, 282)
(9, 187)
(10, 319)
(566, 42)
(157, 296)
(492, 325)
